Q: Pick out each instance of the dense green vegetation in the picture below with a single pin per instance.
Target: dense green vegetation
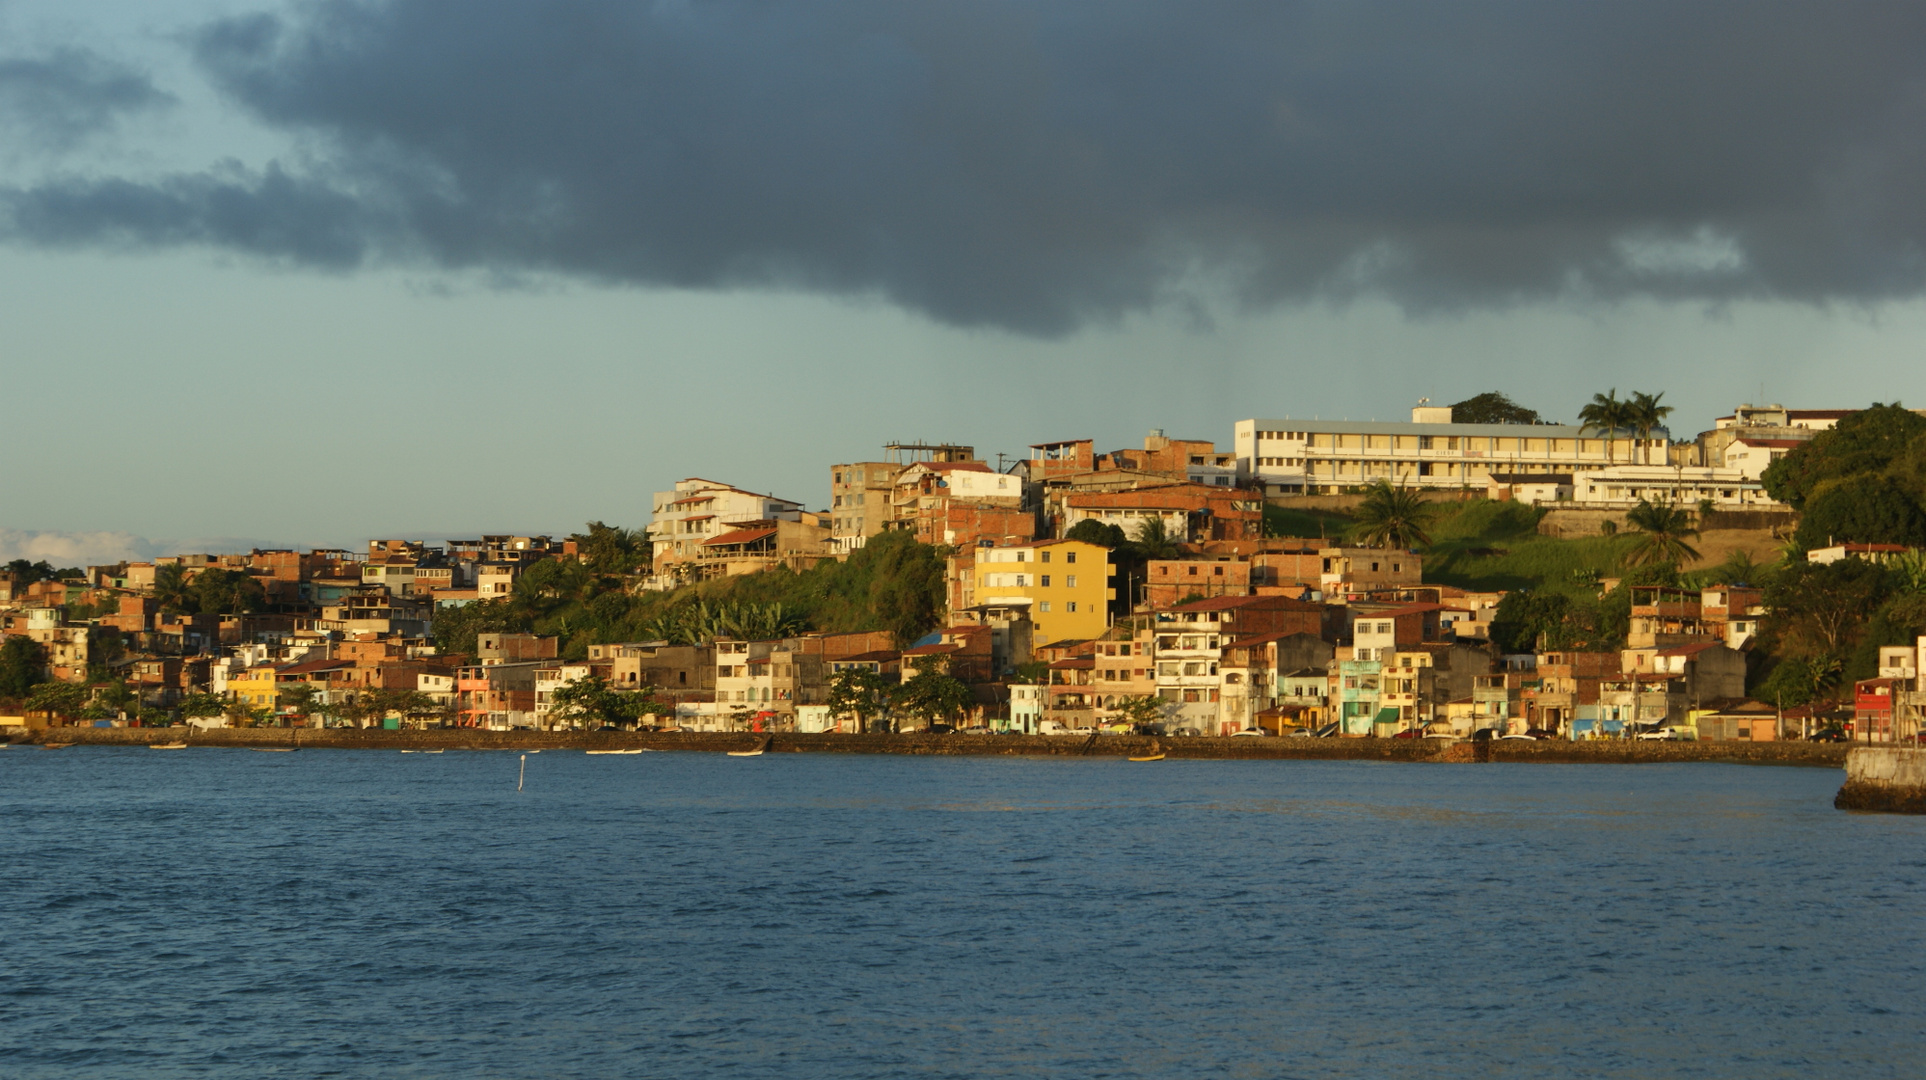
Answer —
(893, 584)
(1492, 407)
(1864, 481)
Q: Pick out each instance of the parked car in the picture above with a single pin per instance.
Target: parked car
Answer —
(1668, 734)
(1526, 737)
(1250, 733)
(1828, 735)
(941, 729)
(979, 729)
(1052, 727)
(1189, 731)
(1410, 733)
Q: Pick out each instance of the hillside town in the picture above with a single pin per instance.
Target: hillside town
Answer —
(1159, 588)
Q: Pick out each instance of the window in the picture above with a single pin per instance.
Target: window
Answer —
(1043, 556)
(1069, 556)
(1021, 555)
(1023, 581)
(1071, 607)
(1045, 606)
(1190, 570)
(1070, 582)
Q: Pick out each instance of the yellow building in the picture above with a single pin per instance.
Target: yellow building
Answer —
(1064, 585)
(255, 687)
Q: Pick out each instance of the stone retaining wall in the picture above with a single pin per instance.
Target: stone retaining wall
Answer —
(1826, 755)
(1884, 778)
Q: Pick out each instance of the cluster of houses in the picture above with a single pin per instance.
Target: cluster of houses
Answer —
(1225, 628)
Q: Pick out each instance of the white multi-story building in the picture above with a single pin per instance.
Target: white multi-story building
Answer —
(1303, 457)
(696, 510)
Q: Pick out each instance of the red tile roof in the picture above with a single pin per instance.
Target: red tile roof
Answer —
(739, 536)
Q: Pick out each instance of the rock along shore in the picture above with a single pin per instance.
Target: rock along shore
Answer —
(1823, 755)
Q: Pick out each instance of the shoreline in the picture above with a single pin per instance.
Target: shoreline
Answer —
(1797, 754)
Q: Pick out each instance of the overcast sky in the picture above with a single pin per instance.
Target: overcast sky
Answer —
(307, 273)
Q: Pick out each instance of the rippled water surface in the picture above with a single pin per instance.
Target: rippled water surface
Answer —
(226, 913)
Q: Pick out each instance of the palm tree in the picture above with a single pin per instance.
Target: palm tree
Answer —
(1643, 413)
(1665, 529)
(1608, 414)
(1392, 517)
(174, 589)
(1154, 541)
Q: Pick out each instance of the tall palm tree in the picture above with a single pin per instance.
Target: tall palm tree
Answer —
(1664, 528)
(1643, 413)
(1607, 414)
(1154, 540)
(1392, 517)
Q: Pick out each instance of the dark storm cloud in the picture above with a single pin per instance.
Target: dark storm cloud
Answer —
(59, 100)
(1039, 165)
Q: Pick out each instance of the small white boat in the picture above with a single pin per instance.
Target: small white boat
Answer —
(612, 751)
(167, 746)
(746, 753)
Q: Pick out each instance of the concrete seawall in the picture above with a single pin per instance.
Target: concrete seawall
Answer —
(1822, 755)
(1887, 779)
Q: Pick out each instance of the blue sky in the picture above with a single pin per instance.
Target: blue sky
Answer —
(307, 274)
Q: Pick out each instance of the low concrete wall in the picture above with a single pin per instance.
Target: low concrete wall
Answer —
(1628, 752)
(1884, 778)
(1825, 755)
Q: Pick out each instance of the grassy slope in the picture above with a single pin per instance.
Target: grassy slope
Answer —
(1486, 545)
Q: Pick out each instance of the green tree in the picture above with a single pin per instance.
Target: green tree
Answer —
(457, 627)
(25, 572)
(591, 702)
(1608, 415)
(1492, 407)
(298, 699)
(117, 697)
(406, 703)
(1872, 440)
(1663, 532)
(1102, 534)
(610, 550)
(23, 665)
(906, 595)
(1524, 618)
(59, 698)
(356, 708)
(1142, 710)
(1865, 509)
(228, 592)
(858, 692)
(933, 697)
(198, 706)
(1392, 517)
(1644, 414)
(1792, 682)
(1823, 607)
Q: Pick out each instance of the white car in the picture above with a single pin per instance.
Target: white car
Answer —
(1247, 733)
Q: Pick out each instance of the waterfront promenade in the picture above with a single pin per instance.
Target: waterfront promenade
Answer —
(1550, 751)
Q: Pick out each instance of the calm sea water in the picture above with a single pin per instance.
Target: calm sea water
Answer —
(225, 913)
